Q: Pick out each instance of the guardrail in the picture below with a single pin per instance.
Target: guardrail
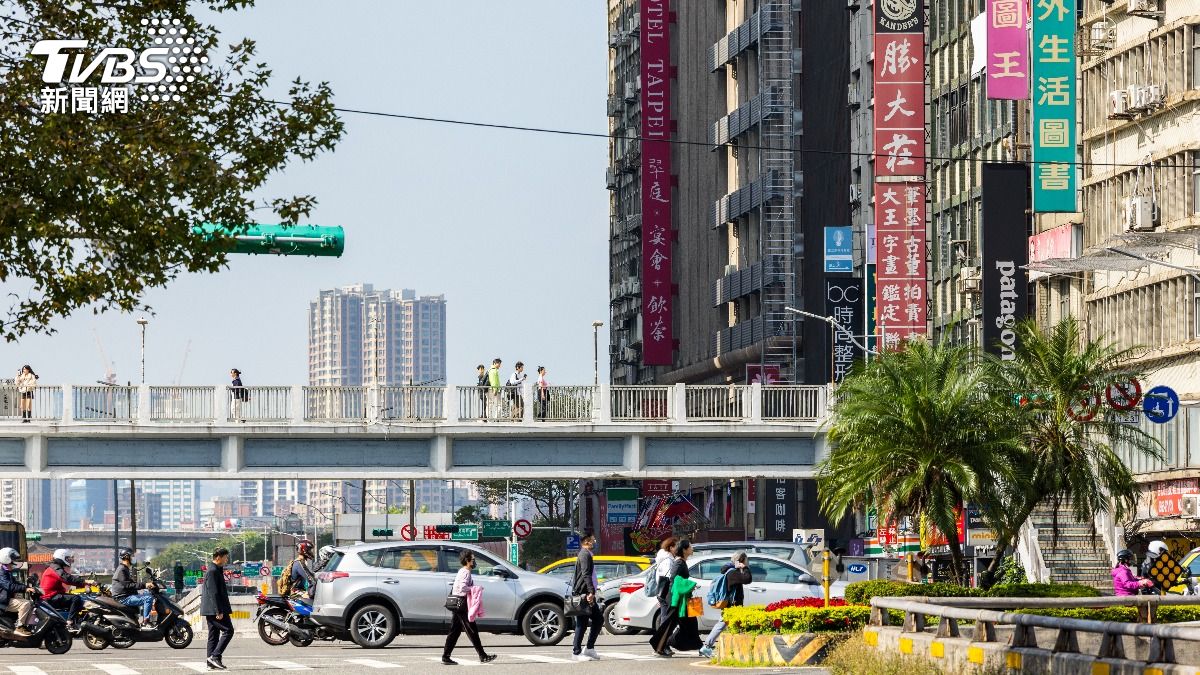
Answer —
(419, 404)
(950, 611)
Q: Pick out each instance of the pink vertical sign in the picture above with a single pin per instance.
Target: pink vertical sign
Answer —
(658, 342)
(1008, 50)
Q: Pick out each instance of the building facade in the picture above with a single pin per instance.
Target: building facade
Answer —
(180, 502)
(751, 129)
(360, 336)
(268, 498)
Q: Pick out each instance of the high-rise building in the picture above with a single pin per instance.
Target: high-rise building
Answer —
(39, 503)
(88, 500)
(359, 336)
(706, 256)
(180, 501)
(267, 498)
(148, 509)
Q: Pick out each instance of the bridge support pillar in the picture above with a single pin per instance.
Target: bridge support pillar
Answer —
(635, 453)
(450, 404)
(296, 406)
(678, 405)
(233, 454)
(440, 458)
(605, 408)
(143, 403)
(755, 403)
(35, 453)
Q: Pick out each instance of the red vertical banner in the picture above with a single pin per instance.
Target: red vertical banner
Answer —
(900, 285)
(658, 340)
(899, 88)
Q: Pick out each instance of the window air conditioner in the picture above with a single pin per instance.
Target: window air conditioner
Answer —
(1143, 8)
(1118, 105)
(1139, 214)
(631, 90)
(629, 354)
(855, 194)
(731, 269)
(1134, 98)
(611, 176)
(969, 280)
(614, 38)
(1152, 97)
(852, 98)
(1103, 36)
(1189, 506)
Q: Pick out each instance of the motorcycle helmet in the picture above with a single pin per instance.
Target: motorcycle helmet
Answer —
(304, 548)
(323, 556)
(65, 555)
(1156, 549)
(9, 556)
(1125, 557)
(125, 554)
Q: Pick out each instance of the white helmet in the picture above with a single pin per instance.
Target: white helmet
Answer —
(1156, 549)
(65, 555)
(9, 556)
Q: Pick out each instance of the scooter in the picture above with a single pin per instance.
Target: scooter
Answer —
(105, 621)
(283, 620)
(50, 632)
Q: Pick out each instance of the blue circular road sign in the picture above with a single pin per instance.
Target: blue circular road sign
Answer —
(1160, 404)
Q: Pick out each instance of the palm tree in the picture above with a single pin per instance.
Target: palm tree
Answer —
(1068, 439)
(915, 433)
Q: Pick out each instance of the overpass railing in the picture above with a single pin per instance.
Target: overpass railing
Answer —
(580, 404)
(983, 612)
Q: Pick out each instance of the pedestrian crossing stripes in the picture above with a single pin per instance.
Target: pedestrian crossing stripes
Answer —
(27, 670)
(373, 663)
(287, 665)
(539, 658)
(198, 666)
(114, 669)
(462, 662)
(622, 656)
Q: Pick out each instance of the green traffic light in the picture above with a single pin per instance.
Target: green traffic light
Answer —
(314, 240)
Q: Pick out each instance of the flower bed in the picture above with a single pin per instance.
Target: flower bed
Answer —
(805, 602)
(861, 592)
(757, 620)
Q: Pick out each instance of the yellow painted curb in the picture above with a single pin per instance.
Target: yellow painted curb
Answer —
(906, 646)
(975, 654)
(937, 650)
(1101, 669)
(871, 638)
(1013, 660)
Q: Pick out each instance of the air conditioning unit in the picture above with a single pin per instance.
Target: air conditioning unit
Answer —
(1134, 98)
(1103, 35)
(631, 91)
(855, 194)
(1189, 506)
(616, 105)
(614, 39)
(731, 269)
(852, 98)
(1148, 8)
(1139, 214)
(611, 176)
(629, 354)
(635, 23)
(1152, 97)
(1118, 105)
(969, 280)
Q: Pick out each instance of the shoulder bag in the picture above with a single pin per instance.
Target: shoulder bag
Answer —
(574, 605)
(456, 603)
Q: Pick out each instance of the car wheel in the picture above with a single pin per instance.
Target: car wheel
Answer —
(544, 624)
(373, 626)
(610, 622)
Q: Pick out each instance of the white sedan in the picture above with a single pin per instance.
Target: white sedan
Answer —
(774, 580)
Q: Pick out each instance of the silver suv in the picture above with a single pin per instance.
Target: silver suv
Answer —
(369, 593)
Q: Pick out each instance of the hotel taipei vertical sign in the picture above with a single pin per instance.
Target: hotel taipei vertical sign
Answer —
(1054, 105)
(657, 338)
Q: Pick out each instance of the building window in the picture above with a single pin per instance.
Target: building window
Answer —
(1064, 299)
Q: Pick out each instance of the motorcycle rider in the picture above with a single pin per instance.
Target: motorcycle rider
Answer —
(10, 587)
(300, 576)
(55, 581)
(125, 587)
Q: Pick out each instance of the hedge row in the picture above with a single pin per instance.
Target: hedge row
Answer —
(861, 592)
(757, 620)
(1125, 614)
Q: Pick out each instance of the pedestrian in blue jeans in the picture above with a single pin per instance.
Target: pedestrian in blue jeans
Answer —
(737, 575)
(126, 589)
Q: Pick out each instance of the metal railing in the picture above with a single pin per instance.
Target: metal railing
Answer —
(104, 403)
(181, 404)
(492, 405)
(642, 403)
(565, 403)
(717, 402)
(47, 403)
(259, 404)
(949, 611)
(794, 402)
(335, 404)
(412, 403)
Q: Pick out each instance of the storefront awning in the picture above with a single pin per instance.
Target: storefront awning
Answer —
(1122, 253)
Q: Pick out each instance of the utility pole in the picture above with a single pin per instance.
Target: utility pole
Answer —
(133, 516)
(362, 510)
(412, 506)
(116, 526)
(596, 352)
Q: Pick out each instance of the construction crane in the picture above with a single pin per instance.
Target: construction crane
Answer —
(187, 349)
(110, 376)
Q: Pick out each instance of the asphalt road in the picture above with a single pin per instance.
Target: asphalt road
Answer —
(412, 654)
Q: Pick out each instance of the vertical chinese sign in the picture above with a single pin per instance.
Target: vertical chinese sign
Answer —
(1054, 105)
(900, 262)
(657, 337)
(1008, 50)
(899, 88)
(780, 518)
(844, 304)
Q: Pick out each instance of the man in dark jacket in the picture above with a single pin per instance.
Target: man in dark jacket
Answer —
(737, 575)
(126, 589)
(215, 608)
(584, 584)
(10, 589)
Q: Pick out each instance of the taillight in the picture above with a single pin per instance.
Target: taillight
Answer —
(262, 599)
(632, 587)
(327, 577)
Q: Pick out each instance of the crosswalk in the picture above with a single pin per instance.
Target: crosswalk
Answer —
(373, 664)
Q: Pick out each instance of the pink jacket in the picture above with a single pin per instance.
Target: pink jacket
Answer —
(474, 602)
(1124, 582)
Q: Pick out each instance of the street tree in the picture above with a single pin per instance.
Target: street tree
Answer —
(914, 434)
(548, 497)
(468, 514)
(1069, 441)
(98, 208)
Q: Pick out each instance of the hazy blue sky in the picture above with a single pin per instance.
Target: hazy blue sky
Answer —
(510, 226)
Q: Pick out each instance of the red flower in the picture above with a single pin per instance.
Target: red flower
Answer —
(805, 602)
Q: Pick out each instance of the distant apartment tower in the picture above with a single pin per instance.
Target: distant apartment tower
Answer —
(267, 498)
(360, 336)
(180, 502)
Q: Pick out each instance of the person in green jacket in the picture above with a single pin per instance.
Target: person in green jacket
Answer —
(493, 380)
(681, 586)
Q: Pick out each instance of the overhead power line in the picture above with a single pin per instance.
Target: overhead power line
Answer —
(679, 141)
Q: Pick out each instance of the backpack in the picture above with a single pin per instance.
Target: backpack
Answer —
(718, 593)
(285, 581)
(651, 587)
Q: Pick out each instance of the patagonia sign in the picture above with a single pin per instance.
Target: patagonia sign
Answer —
(1003, 236)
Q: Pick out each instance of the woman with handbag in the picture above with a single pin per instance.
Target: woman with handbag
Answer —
(456, 602)
(679, 616)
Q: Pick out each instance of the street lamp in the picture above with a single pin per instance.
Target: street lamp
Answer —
(142, 321)
(833, 322)
(316, 539)
(596, 351)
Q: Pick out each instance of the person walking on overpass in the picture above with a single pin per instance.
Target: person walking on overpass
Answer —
(216, 610)
(494, 390)
(481, 384)
(237, 396)
(26, 383)
(543, 393)
(516, 393)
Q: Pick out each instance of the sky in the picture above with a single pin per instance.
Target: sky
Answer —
(510, 226)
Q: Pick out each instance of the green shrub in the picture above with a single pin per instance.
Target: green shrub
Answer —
(861, 592)
(854, 657)
(757, 620)
(1042, 591)
(1123, 614)
(1011, 572)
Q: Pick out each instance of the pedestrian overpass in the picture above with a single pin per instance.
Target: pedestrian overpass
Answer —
(419, 432)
